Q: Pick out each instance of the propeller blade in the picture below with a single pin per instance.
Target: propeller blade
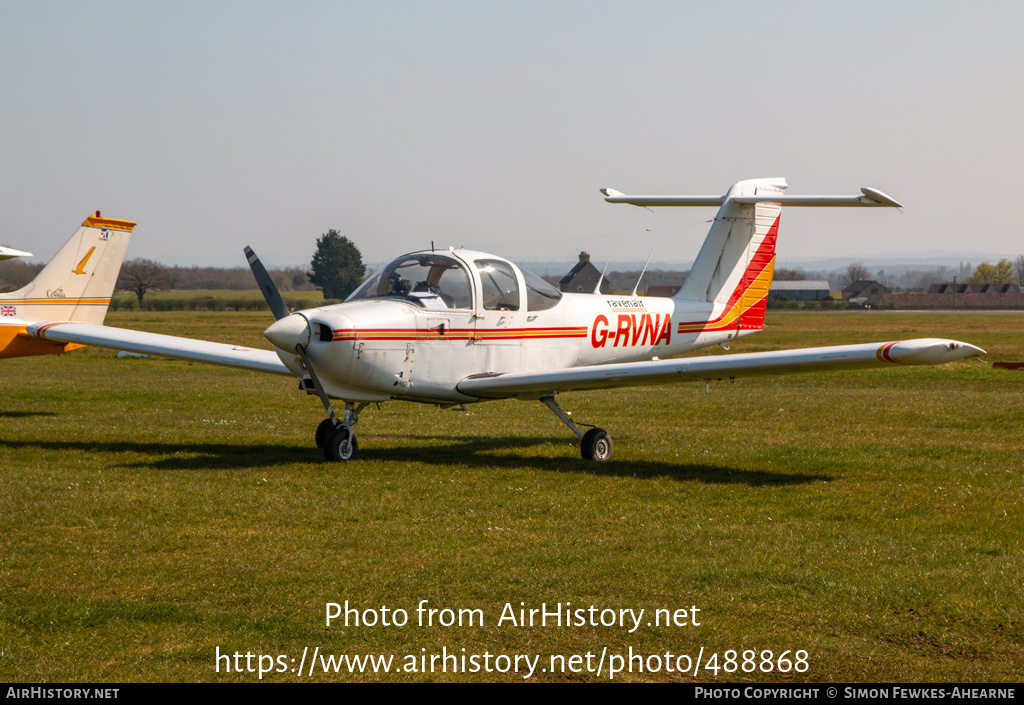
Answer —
(266, 284)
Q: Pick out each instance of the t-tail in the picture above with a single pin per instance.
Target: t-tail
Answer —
(76, 285)
(733, 270)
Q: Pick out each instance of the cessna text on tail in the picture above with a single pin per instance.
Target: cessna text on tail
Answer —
(459, 326)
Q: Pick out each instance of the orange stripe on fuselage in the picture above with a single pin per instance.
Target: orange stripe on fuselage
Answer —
(57, 302)
(458, 334)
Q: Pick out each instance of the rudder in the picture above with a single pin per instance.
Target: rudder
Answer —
(735, 264)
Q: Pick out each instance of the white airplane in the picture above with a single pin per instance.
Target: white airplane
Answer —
(454, 327)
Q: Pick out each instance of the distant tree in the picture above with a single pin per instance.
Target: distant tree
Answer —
(281, 280)
(985, 273)
(1018, 268)
(141, 276)
(790, 275)
(337, 265)
(15, 274)
(299, 278)
(855, 272)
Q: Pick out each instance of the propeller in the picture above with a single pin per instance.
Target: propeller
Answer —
(291, 330)
(267, 286)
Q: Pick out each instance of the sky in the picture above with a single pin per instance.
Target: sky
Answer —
(492, 124)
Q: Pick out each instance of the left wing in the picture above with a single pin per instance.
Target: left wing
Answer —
(533, 385)
(157, 344)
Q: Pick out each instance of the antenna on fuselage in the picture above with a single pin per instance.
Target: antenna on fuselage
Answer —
(644, 271)
(597, 289)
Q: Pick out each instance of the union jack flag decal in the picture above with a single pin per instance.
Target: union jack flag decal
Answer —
(8, 311)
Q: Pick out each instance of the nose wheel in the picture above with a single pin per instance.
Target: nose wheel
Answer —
(336, 438)
(323, 431)
(341, 444)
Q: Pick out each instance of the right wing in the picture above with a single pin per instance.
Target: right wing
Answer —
(534, 385)
(157, 344)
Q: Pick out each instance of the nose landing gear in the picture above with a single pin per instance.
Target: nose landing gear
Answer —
(333, 436)
(336, 438)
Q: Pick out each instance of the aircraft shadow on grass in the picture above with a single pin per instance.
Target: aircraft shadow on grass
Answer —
(497, 453)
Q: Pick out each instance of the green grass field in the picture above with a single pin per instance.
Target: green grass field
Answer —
(153, 511)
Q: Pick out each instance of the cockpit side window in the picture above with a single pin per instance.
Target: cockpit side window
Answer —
(499, 285)
(540, 296)
(428, 280)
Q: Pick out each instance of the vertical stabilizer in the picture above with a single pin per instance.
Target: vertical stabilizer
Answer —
(78, 282)
(735, 264)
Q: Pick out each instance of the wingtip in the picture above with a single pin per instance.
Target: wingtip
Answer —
(879, 198)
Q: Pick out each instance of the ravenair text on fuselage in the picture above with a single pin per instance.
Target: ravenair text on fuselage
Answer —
(458, 326)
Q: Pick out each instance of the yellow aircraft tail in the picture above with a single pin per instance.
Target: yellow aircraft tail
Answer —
(76, 285)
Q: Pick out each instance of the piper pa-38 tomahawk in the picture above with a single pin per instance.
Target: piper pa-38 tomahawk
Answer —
(457, 326)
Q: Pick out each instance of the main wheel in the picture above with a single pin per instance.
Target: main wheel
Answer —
(341, 445)
(596, 445)
(323, 431)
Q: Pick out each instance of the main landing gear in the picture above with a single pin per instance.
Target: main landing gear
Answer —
(595, 444)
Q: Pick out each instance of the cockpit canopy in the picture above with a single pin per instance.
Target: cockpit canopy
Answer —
(442, 281)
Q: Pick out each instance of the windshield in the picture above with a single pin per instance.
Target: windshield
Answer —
(428, 280)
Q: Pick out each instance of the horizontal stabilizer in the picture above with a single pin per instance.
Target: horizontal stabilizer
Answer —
(11, 253)
(869, 197)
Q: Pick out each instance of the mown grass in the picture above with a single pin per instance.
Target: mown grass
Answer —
(152, 511)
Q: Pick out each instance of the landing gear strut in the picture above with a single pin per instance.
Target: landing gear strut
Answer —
(595, 444)
(334, 436)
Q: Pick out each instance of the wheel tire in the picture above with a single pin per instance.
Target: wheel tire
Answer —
(323, 431)
(341, 445)
(596, 445)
